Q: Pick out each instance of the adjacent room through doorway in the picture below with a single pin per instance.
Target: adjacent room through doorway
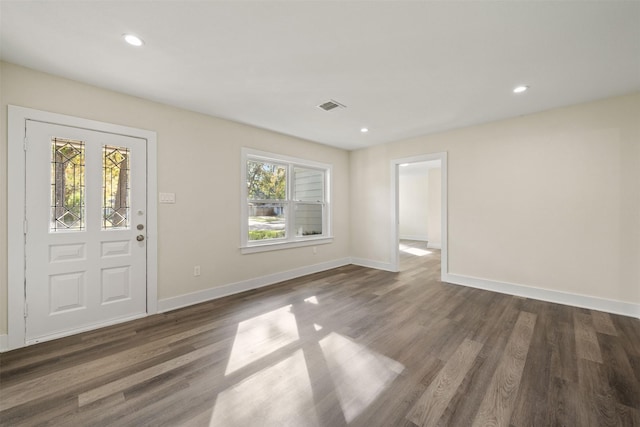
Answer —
(419, 212)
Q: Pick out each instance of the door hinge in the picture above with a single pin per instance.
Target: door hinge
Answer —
(26, 309)
(25, 226)
(25, 143)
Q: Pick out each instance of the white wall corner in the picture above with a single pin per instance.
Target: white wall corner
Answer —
(434, 246)
(4, 343)
(186, 300)
(558, 297)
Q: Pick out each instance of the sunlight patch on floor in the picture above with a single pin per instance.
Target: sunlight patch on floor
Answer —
(359, 374)
(275, 396)
(413, 251)
(262, 335)
(312, 300)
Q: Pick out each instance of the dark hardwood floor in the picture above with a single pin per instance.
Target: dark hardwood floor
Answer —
(351, 346)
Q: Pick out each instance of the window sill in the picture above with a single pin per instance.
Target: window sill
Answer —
(264, 247)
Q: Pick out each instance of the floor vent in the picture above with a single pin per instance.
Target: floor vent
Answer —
(330, 105)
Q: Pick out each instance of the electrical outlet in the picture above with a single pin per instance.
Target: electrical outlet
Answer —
(196, 270)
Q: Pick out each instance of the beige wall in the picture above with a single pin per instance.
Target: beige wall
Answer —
(550, 200)
(199, 160)
(434, 203)
(412, 204)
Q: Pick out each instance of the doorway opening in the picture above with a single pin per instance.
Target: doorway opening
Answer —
(419, 225)
(419, 230)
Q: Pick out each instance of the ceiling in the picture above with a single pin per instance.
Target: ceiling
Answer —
(402, 69)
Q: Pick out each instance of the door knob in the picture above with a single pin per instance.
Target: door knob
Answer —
(140, 237)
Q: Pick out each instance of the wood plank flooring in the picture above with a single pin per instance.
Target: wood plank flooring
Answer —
(347, 347)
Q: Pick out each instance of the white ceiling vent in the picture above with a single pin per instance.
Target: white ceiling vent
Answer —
(331, 105)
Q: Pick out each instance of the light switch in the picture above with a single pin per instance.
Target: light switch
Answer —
(167, 197)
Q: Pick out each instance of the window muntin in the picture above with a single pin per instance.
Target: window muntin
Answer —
(286, 199)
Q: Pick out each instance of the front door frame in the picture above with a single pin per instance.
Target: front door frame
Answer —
(16, 221)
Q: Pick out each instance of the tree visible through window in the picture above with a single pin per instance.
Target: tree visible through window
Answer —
(286, 199)
(267, 194)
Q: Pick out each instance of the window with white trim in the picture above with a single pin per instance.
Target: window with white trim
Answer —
(285, 201)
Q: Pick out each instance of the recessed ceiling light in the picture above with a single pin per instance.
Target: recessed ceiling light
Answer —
(364, 130)
(133, 40)
(520, 89)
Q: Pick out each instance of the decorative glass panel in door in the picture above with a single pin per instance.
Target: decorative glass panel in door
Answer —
(115, 190)
(67, 184)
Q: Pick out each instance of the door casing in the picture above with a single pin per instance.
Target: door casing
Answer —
(17, 117)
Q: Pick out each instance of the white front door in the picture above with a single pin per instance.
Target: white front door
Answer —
(86, 200)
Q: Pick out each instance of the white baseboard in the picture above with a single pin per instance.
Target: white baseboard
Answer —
(576, 300)
(185, 300)
(434, 245)
(418, 237)
(378, 265)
